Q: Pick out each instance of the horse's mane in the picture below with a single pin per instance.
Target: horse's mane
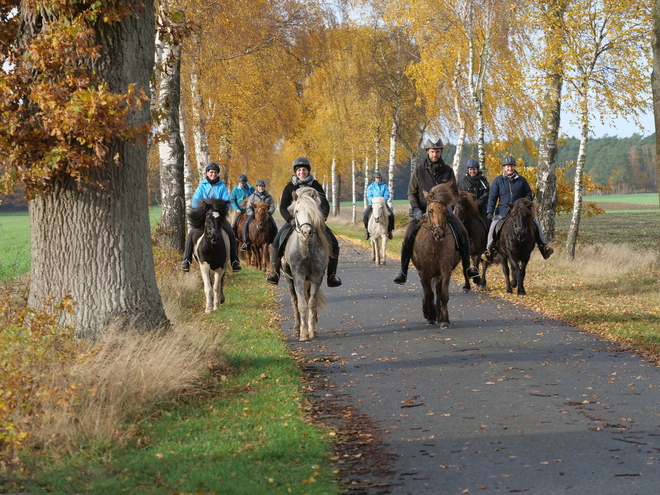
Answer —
(525, 205)
(308, 201)
(197, 216)
(443, 193)
(378, 199)
(467, 203)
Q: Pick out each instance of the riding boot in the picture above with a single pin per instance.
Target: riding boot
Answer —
(333, 279)
(402, 277)
(366, 234)
(187, 253)
(546, 250)
(275, 263)
(390, 225)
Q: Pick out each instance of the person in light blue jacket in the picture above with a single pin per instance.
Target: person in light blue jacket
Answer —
(378, 189)
(211, 187)
(239, 194)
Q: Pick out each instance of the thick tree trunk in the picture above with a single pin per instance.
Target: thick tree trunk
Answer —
(95, 243)
(460, 121)
(353, 191)
(574, 229)
(199, 121)
(333, 180)
(172, 231)
(366, 178)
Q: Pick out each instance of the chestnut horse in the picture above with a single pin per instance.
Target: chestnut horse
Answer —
(435, 254)
(467, 212)
(516, 243)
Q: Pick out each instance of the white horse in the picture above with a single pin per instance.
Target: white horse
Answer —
(305, 259)
(377, 227)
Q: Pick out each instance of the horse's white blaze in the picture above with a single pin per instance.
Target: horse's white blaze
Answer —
(215, 214)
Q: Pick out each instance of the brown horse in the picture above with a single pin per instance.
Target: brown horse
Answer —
(261, 233)
(467, 212)
(435, 255)
(516, 243)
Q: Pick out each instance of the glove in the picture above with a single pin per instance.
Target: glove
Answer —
(489, 215)
(417, 213)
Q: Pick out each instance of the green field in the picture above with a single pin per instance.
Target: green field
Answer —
(650, 199)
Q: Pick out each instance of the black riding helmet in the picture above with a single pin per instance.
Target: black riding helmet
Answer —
(243, 179)
(261, 183)
(301, 162)
(472, 163)
(212, 166)
(508, 160)
(378, 175)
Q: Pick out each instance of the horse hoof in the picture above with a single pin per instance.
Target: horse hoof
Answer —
(466, 290)
(430, 322)
(303, 339)
(444, 324)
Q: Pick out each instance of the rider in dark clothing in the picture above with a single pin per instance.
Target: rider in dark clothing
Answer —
(432, 172)
(301, 178)
(474, 182)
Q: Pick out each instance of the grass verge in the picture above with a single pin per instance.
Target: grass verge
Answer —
(241, 428)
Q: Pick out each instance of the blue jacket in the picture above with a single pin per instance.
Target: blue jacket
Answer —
(378, 190)
(238, 194)
(256, 197)
(507, 191)
(207, 191)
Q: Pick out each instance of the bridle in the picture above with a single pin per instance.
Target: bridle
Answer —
(214, 228)
(439, 231)
(298, 227)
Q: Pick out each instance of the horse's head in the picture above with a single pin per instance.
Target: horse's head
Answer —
(377, 209)
(260, 214)
(465, 206)
(521, 214)
(436, 214)
(306, 209)
(216, 212)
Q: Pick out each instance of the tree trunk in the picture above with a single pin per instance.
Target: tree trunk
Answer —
(390, 179)
(333, 180)
(353, 191)
(366, 178)
(655, 83)
(574, 228)
(172, 231)
(202, 153)
(460, 121)
(95, 243)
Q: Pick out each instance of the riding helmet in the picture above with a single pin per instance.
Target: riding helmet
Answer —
(508, 160)
(261, 183)
(472, 163)
(378, 175)
(430, 143)
(242, 179)
(213, 166)
(301, 162)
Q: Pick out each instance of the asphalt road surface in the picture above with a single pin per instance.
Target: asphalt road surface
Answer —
(504, 401)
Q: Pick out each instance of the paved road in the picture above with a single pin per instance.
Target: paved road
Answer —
(504, 401)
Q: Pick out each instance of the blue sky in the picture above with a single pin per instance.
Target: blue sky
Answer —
(619, 127)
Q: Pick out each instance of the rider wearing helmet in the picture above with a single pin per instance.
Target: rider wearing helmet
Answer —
(241, 192)
(302, 178)
(430, 173)
(258, 196)
(211, 187)
(378, 189)
(507, 188)
(474, 182)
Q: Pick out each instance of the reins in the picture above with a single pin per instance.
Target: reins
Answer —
(434, 228)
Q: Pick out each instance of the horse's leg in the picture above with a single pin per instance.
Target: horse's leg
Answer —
(205, 270)
(383, 249)
(217, 288)
(521, 278)
(442, 296)
(374, 250)
(299, 287)
(294, 306)
(312, 307)
(484, 267)
(428, 302)
(505, 270)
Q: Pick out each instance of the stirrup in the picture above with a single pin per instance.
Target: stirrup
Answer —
(546, 251)
(333, 281)
(401, 278)
(185, 266)
(236, 266)
(273, 277)
(488, 255)
(366, 235)
(244, 246)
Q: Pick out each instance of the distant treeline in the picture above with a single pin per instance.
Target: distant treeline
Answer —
(625, 165)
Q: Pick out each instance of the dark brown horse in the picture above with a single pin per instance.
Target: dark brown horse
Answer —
(261, 233)
(467, 212)
(516, 243)
(435, 255)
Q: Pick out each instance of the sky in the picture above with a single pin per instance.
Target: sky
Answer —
(620, 127)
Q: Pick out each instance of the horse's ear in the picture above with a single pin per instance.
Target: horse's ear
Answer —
(294, 195)
(428, 196)
(510, 205)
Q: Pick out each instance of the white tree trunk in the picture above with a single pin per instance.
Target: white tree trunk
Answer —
(571, 239)
(93, 243)
(460, 121)
(366, 177)
(390, 178)
(333, 179)
(353, 191)
(172, 231)
(200, 138)
(187, 175)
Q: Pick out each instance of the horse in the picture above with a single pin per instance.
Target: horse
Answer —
(435, 255)
(516, 242)
(377, 228)
(211, 248)
(467, 212)
(261, 232)
(305, 258)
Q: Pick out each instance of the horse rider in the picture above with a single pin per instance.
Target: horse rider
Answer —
(507, 188)
(378, 189)
(302, 178)
(476, 183)
(211, 187)
(238, 194)
(432, 172)
(258, 196)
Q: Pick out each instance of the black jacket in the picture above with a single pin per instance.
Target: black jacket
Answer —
(425, 177)
(287, 198)
(478, 186)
